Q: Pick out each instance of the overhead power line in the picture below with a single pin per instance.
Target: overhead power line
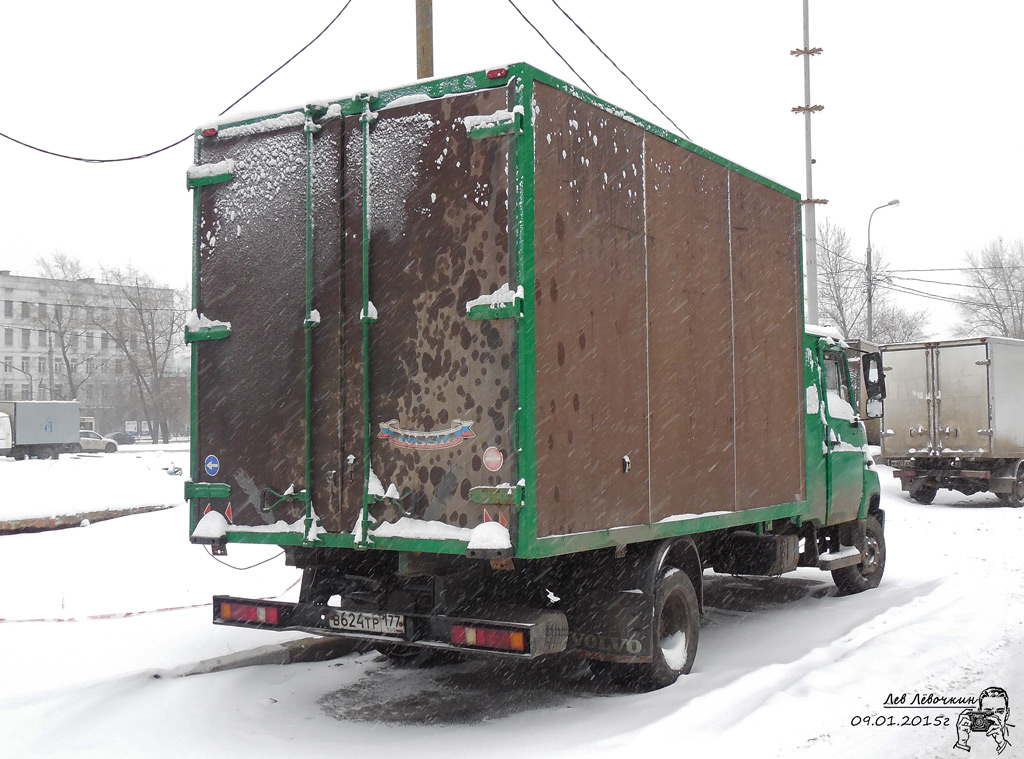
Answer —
(922, 294)
(617, 68)
(532, 26)
(1000, 287)
(188, 136)
(959, 268)
(884, 279)
(926, 270)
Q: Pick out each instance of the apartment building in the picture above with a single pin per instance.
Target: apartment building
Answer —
(59, 340)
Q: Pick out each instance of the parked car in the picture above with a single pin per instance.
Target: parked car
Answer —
(122, 438)
(94, 441)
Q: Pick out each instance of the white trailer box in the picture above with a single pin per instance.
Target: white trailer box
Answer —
(42, 428)
(954, 416)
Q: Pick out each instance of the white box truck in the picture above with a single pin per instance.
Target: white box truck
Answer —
(954, 417)
(44, 429)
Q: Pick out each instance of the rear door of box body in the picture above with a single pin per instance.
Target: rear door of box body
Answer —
(251, 411)
(908, 381)
(937, 399)
(961, 398)
(441, 386)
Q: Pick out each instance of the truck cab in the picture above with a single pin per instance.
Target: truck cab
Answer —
(850, 479)
(6, 439)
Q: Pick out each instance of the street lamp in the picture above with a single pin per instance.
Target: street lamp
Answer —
(871, 323)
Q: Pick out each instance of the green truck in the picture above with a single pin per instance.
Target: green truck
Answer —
(505, 369)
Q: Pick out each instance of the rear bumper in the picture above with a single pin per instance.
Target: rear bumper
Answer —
(518, 633)
(954, 479)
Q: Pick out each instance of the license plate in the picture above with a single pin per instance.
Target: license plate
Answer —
(901, 463)
(365, 621)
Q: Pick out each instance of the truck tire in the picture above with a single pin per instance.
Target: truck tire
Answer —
(76, 447)
(867, 574)
(676, 630)
(924, 494)
(1015, 498)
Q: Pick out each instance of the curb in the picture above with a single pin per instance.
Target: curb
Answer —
(44, 524)
(292, 652)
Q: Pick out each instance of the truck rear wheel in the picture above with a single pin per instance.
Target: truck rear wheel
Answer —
(676, 627)
(924, 494)
(676, 630)
(867, 574)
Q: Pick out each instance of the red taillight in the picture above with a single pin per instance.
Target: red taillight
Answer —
(497, 73)
(210, 132)
(266, 615)
(487, 637)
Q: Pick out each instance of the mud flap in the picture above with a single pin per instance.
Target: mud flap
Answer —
(612, 626)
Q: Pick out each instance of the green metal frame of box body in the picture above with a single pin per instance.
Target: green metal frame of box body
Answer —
(522, 238)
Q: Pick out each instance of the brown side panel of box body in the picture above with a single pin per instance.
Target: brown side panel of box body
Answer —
(441, 386)
(692, 406)
(768, 326)
(252, 269)
(667, 323)
(591, 386)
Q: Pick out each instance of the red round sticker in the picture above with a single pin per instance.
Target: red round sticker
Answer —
(493, 459)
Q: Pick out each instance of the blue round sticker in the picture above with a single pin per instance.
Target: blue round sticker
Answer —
(211, 465)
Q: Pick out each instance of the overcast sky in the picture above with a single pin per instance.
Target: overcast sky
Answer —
(921, 104)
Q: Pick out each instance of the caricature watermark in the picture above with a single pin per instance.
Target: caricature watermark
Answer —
(991, 718)
(982, 720)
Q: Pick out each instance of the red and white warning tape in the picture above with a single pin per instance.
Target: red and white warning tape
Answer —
(124, 615)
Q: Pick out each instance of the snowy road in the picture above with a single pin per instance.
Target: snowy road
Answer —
(785, 668)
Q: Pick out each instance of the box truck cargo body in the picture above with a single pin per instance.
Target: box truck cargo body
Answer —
(954, 417)
(44, 429)
(468, 341)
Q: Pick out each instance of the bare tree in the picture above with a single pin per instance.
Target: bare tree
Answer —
(147, 323)
(840, 281)
(895, 324)
(66, 319)
(842, 293)
(994, 301)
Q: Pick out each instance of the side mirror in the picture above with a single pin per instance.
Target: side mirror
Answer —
(874, 384)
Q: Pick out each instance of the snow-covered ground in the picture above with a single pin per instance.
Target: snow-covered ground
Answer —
(785, 668)
(135, 477)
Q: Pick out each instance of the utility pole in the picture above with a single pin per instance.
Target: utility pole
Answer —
(869, 275)
(424, 39)
(810, 228)
(49, 359)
